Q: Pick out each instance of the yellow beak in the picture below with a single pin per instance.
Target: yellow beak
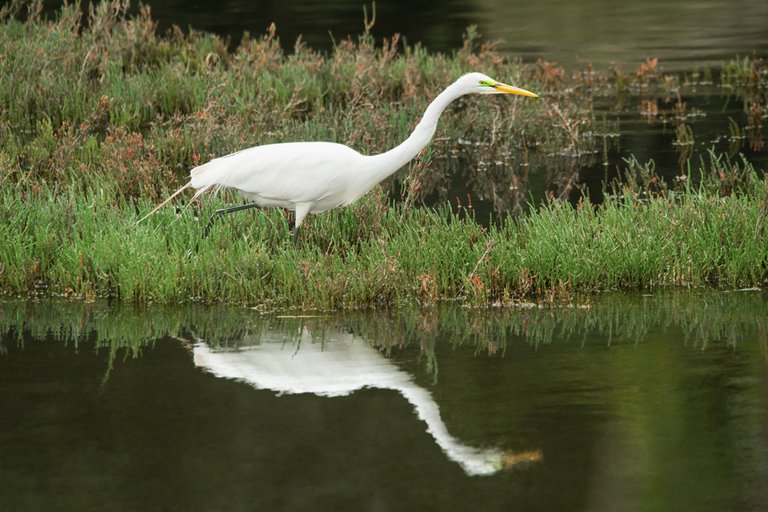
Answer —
(513, 90)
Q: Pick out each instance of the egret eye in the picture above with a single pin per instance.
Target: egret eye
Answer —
(485, 83)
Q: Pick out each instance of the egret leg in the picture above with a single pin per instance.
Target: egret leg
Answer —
(224, 211)
(302, 209)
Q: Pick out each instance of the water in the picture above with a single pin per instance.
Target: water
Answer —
(684, 34)
(646, 402)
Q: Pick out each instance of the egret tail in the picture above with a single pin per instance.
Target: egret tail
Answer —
(166, 201)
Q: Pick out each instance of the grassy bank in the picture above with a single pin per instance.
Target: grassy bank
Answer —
(78, 243)
(99, 121)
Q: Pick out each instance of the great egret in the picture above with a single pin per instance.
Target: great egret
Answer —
(312, 177)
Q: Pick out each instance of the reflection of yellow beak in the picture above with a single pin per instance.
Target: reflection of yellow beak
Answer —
(511, 459)
(513, 90)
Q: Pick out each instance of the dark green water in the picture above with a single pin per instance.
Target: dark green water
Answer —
(634, 403)
(684, 34)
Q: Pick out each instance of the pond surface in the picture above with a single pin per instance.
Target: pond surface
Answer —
(684, 34)
(655, 402)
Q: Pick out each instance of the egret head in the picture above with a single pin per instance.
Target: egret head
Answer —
(482, 84)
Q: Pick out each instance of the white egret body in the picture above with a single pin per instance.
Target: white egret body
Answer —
(312, 177)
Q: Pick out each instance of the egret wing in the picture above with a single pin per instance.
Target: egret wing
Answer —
(297, 172)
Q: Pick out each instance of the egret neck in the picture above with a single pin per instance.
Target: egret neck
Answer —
(385, 164)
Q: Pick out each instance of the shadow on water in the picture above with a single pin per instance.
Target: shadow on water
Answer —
(630, 400)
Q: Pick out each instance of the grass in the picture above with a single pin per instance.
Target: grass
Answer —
(78, 244)
(98, 121)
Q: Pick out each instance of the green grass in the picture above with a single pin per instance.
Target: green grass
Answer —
(80, 244)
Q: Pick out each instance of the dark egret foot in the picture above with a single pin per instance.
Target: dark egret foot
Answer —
(222, 212)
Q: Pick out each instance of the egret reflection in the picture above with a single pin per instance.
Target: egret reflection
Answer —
(338, 366)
